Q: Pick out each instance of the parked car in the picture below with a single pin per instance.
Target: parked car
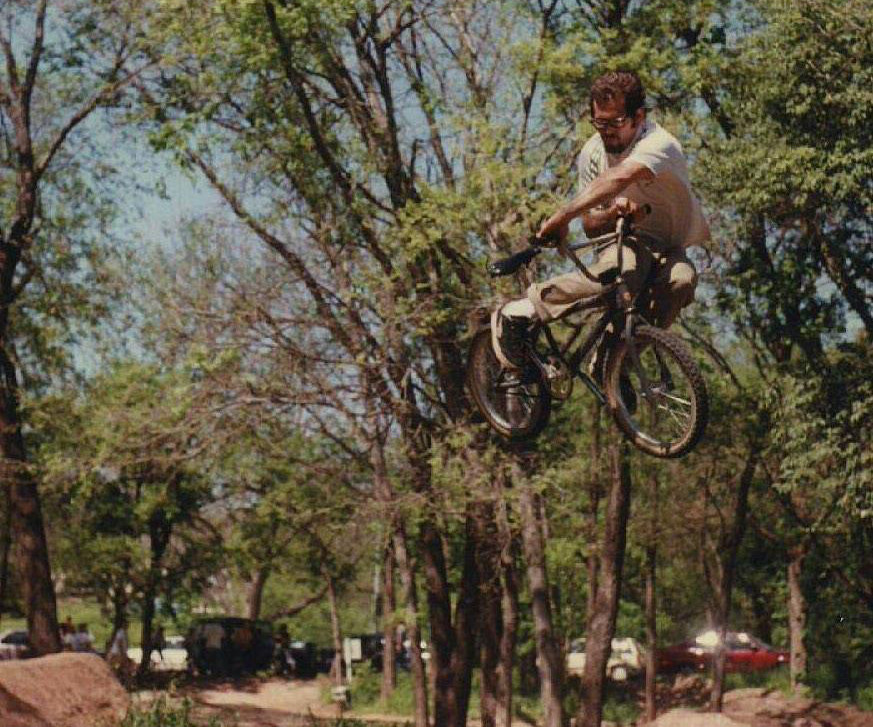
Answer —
(305, 656)
(14, 645)
(228, 645)
(743, 652)
(626, 659)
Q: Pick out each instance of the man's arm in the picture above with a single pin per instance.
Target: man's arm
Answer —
(603, 189)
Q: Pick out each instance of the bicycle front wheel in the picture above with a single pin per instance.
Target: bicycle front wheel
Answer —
(662, 407)
(516, 407)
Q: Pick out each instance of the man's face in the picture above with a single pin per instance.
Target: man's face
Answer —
(615, 138)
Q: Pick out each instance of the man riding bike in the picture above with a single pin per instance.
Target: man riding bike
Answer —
(631, 163)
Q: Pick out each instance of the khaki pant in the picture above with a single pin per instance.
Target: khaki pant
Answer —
(673, 288)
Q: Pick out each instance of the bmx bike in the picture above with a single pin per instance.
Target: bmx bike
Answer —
(647, 377)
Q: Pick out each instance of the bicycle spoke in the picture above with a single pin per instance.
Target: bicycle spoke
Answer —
(677, 399)
(665, 408)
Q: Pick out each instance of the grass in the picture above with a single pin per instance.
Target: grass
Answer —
(167, 713)
(778, 679)
(163, 713)
(620, 706)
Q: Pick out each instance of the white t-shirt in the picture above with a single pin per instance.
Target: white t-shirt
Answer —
(676, 218)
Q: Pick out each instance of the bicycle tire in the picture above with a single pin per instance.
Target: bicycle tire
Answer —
(679, 400)
(519, 413)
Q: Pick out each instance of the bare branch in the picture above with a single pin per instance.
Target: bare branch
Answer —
(77, 118)
(35, 55)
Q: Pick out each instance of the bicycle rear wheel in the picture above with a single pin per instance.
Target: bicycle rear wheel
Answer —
(669, 418)
(516, 409)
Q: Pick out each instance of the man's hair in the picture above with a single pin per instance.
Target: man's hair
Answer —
(619, 84)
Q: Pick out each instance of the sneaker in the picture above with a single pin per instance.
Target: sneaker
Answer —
(509, 339)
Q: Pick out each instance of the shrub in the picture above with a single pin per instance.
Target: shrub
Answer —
(162, 713)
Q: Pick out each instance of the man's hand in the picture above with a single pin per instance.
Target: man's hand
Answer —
(552, 234)
(625, 208)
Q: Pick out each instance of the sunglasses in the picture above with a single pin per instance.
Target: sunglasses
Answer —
(616, 123)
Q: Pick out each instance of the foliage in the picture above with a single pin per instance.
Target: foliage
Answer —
(166, 713)
(776, 679)
(123, 466)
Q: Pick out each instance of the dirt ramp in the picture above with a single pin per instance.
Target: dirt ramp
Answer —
(62, 690)
(770, 708)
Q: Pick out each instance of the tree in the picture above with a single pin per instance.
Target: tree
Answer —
(61, 63)
(130, 461)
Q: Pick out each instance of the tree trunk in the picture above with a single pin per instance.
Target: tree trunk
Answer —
(256, 592)
(510, 611)
(119, 612)
(548, 653)
(599, 639)
(651, 606)
(491, 629)
(413, 633)
(595, 475)
(336, 633)
(651, 632)
(796, 618)
(452, 642)
(723, 585)
(31, 547)
(507, 646)
(464, 633)
(389, 631)
(719, 659)
(159, 538)
(5, 548)
(499, 608)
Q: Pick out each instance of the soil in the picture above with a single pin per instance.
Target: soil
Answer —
(288, 703)
(72, 690)
(682, 703)
(62, 690)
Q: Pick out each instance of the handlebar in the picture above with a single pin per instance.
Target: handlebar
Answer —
(509, 265)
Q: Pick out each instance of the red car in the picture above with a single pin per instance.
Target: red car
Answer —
(743, 652)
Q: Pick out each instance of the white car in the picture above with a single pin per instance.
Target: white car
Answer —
(14, 645)
(627, 658)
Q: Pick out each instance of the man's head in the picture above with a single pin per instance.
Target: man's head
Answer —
(617, 108)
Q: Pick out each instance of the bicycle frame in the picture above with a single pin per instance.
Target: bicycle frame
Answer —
(623, 307)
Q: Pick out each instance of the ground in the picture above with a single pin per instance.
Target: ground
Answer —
(79, 690)
(287, 703)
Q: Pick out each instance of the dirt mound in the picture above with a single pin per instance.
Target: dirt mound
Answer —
(770, 708)
(62, 690)
(760, 708)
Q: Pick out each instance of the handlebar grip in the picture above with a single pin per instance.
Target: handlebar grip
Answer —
(553, 238)
(509, 265)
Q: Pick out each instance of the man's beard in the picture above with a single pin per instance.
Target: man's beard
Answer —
(615, 147)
